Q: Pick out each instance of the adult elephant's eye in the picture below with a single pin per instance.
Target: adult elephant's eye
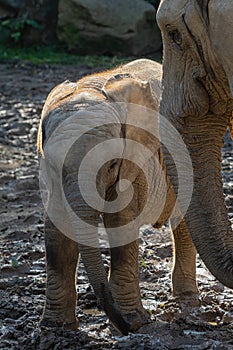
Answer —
(113, 164)
(175, 36)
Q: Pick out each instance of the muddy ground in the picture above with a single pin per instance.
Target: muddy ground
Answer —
(23, 88)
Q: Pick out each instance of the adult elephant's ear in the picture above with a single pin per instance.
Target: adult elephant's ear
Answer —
(141, 126)
(221, 35)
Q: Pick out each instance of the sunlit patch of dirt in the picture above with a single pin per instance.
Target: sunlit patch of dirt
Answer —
(208, 325)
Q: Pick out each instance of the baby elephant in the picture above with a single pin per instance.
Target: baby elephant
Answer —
(101, 156)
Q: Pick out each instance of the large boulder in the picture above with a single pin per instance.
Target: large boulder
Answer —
(15, 4)
(43, 14)
(28, 22)
(125, 27)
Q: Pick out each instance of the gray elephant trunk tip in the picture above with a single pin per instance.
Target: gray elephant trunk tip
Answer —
(113, 312)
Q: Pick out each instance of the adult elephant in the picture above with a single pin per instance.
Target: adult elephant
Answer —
(96, 137)
(197, 100)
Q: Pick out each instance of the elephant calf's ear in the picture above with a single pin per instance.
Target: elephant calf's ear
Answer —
(118, 88)
(56, 96)
(125, 88)
(140, 127)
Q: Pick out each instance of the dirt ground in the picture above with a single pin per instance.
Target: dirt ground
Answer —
(23, 89)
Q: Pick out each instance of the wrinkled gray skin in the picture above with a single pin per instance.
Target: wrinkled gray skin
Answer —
(137, 83)
(197, 99)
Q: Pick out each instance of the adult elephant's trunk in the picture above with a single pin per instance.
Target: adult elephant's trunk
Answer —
(85, 231)
(207, 217)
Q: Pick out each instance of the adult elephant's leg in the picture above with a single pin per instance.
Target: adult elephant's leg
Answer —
(62, 258)
(124, 275)
(184, 268)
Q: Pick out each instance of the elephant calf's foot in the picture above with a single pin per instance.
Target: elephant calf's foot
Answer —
(55, 319)
(185, 290)
(137, 318)
(127, 296)
(188, 299)
(187, 294)
(183, 285)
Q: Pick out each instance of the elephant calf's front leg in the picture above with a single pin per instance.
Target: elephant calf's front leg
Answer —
(124, 276)
(124, 282)
(62, 257)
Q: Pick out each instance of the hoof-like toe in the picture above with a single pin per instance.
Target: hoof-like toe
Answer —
(189, 299)
(137, 319)
(49, 323)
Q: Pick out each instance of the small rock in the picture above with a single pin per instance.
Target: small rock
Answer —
(218, 287)
(227, 318)
(12, 197)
